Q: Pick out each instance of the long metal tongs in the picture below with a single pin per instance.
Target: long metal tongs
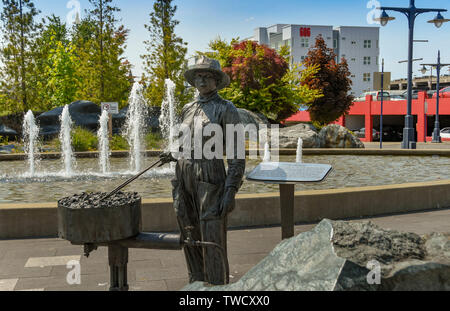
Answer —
(130, 181)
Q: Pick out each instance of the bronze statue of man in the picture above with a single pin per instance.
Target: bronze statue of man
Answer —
(204, 193)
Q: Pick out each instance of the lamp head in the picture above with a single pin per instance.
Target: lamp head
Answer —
(384, 18)
(439, 20)
(424, 70)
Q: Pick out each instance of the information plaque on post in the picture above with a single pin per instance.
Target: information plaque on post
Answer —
(287, 175)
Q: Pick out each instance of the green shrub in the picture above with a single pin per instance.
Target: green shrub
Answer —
(154, 141)
(4, 140)
(84, 140)
(119, 143)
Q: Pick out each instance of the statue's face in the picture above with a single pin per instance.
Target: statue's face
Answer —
(205, 82)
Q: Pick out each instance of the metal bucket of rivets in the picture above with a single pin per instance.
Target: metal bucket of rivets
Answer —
(86, 219)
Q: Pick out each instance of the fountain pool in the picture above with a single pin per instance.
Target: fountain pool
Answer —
(349, 171)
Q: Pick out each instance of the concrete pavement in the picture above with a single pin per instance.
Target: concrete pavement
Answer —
(397, 145)
(40, 264)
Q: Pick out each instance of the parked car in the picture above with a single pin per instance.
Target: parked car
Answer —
(376, 95)
(397, 97)
(445, 132)
(362, 133)
(444, 93)
(391, 133)
(415, 94)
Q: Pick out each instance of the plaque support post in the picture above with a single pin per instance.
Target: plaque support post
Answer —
(287, 195)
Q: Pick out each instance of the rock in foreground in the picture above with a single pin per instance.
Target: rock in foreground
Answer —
(335, 256)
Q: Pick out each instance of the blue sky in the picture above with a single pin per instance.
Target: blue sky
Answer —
(203, 20)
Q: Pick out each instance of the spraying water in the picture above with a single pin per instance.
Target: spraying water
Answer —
(66, 142)
(167, 118)
(103, 143)
(135, 126)
(30, 133)
(267, 155)
(300, 151)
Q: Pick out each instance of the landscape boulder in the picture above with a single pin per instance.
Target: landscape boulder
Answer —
(84, 114)
(8, 132)
(249, 117)
(289, 136)
(336, 136)
(349, 256)
(152, 120)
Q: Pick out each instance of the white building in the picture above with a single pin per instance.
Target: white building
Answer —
(358, 45)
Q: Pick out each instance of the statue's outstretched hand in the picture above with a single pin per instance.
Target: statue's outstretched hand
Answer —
(228, 203)
(166, 157)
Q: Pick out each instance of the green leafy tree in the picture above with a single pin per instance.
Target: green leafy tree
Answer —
(261, 80)
(54, 36)
(19, 31)
(63, 81)
(104, 72)
(333, 80)
(166, 55)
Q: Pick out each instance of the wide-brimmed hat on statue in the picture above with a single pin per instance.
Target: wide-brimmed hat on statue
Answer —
(207, 64)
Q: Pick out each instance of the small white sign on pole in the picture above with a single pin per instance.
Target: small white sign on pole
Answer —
(112, 108)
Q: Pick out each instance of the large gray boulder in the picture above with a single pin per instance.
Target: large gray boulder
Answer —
(8, 132)
(336, 136)
(289, 136)
(340, 256)
(83, 113)
(249, 117)
(152, 120)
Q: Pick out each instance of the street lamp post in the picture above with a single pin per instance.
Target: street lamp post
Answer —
(437, 130)
(411, 13)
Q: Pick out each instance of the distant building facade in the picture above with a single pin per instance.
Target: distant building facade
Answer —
(358, 45)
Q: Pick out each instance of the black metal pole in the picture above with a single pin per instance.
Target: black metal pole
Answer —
(382, 97)
(437, 131)
(408, 131)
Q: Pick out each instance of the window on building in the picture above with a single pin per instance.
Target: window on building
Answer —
(353, 59)
(367, 60)
(353, 76)
(366, 77)
(304, 42)
(343, 38)
(302, 58)
(335, 43)
(367, 44)
(354, 42)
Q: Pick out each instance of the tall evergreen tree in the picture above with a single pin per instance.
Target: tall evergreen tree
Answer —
(99, 46)
(166, 55)
(19, 33)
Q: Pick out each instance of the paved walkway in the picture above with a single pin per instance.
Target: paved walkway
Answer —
(40, 264)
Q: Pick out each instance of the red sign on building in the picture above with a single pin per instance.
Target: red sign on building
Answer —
(305, 32)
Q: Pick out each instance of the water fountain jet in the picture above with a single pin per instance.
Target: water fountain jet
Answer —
(103, 142)
(300, 151)
(31, 132)
(66, 142)
(135, 126)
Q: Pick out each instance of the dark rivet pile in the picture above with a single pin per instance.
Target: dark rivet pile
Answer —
(92, 200)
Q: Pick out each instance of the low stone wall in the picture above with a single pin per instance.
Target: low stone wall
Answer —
(40, 220)
(282, 152)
